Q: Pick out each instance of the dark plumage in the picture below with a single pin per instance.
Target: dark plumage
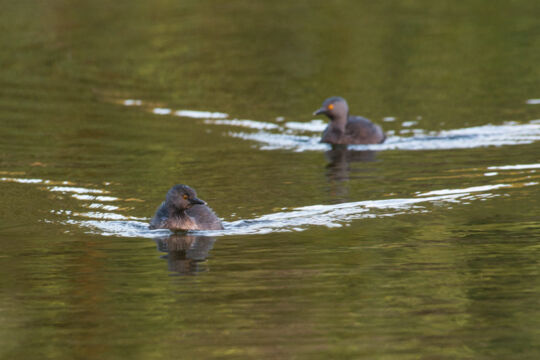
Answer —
(346, 129)
(182, 210)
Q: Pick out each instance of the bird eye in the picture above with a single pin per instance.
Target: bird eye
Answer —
(186, 196)
(330, 107)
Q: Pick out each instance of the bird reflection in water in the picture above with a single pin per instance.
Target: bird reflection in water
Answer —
(185, 253)
(338, 169)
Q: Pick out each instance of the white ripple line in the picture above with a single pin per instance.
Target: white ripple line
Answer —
(299, 219)
(515, 167)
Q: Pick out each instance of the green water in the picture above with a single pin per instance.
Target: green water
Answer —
(443, 279)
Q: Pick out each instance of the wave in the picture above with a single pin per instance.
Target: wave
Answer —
(302, 218)
(299, 136)
(465, 138)
(99, 212)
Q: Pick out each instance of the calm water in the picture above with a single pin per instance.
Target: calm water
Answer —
(425, 247)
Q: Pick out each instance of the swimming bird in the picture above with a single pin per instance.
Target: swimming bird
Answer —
(347, 129)
(182, 210)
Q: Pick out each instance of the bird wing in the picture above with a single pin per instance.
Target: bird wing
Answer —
(363, 131)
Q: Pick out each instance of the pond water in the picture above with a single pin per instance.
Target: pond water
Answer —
(424, 247)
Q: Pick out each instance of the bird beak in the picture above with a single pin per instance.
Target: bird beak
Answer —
(320, 111)
(195, 201)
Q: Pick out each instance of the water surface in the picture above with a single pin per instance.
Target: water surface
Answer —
(424, 247)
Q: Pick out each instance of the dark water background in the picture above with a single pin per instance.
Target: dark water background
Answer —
(426, 247)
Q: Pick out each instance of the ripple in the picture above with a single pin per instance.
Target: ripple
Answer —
(168, 111)
(162, 111)
(272, 141)
(132, 102)
(97, 198)
(301, 218)
(465, 138)
(119, 228)
(102, 206)
(78, 190)
(409, 123)
(108, 216)
(515, 167)
(109, 223)
(463, 191)
(244, 123)
(201, 114)
(22, 181)
(313, 125)
(291, 135)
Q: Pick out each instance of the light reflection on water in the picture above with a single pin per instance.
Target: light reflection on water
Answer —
(299, 219)
(196, 114)
(466, 138)
(292, 135)
(296, 219)
(385, 253)
(185, 253)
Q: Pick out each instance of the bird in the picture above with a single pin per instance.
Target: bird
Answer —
(182, 210)
(347, 129)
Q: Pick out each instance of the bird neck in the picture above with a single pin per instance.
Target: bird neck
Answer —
(176, 212)
(339, 122)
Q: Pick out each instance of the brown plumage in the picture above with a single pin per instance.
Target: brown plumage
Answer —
(182, 210)
(346, 129)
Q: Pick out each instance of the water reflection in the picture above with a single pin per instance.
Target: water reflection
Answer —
(305, 136)
(338, 169)
(185, 253)
(299, 139)
(339, 159)
(344, 211)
